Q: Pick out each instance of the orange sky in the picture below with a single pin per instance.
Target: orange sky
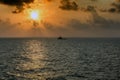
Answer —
(98, 18)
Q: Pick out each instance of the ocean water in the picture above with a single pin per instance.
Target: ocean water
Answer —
(52, 59)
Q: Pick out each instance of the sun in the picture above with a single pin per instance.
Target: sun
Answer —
(35, 14)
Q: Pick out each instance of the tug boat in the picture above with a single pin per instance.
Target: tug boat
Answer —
(60, 38)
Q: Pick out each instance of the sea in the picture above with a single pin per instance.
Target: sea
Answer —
(59, 59)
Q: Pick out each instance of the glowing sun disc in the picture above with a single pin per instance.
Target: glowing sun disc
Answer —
(35, 15)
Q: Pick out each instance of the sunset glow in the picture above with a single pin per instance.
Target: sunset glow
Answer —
(35, 14)
(50, 18)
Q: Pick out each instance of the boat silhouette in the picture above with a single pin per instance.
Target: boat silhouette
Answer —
(60, 37)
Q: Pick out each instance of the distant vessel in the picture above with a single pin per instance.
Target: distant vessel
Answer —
(60, 37)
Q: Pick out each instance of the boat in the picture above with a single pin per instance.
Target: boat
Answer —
(60, 37)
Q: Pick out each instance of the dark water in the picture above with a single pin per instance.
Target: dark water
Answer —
(52, 59)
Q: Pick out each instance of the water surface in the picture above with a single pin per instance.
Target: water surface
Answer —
(52, 59)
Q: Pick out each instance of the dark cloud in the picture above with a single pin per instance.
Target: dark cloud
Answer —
(97, 27)
(112, 10)
(102, 23)
(115, 7)
(88, 8)
(35, 24)
(18, 3)
(97, 23)
(18, 9)
(68, 5)
(65, 4)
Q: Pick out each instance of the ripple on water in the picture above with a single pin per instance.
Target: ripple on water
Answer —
(50, 59)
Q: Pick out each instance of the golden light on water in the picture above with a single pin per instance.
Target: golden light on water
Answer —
(33, 52)
(34, 57)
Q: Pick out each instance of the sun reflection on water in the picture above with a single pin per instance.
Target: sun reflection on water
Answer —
(33, 60)
(34, 52)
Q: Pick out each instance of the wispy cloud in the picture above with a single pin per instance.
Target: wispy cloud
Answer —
(68, 5)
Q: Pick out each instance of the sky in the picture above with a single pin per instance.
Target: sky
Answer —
(53, 18)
